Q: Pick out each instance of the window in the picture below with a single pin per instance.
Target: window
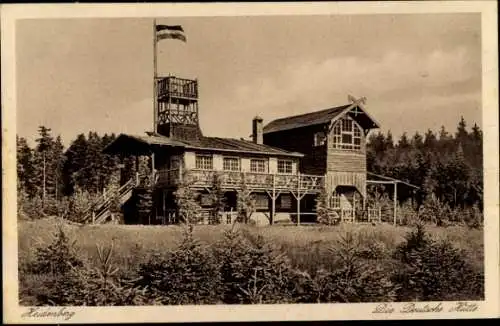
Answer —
(231, 164)
(335, 200)
(204, 162)
(284, 167)
(319, 138)
(258, 165)
(346, 135)
(261, 201)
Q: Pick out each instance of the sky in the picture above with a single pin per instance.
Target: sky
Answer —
(417, 71)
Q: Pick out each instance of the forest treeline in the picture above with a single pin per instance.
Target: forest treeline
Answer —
(448, 165)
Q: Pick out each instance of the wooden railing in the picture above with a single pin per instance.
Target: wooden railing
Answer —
(99, 210)
(233, 180)
(177, 87)
(374, 214)
(168, 177)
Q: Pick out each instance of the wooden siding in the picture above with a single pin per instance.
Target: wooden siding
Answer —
(346, 160)
(301, 140)
(341, 161)
(356, 179)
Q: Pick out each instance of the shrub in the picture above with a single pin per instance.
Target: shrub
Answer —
(408, 214)
(58, 257)
(101, 286)
(322, 210)
(433, 270)
(186, 200)
(354, 280)
(188, 275)
(435, 211)
(56, 267)
(252, 271)
(217, 198)
(245, 202)
(29, 207)
(476, 218)
(80, 204)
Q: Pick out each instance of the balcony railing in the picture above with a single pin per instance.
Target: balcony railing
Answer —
(302, 183)
(177, 87)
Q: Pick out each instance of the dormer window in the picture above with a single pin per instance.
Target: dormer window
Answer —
(346, 134)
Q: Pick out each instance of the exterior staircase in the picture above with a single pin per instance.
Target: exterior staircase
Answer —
(100, 211)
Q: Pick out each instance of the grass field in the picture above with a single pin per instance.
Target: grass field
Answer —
(306, 246)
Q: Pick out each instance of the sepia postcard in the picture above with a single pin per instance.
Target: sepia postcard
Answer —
(250, 162)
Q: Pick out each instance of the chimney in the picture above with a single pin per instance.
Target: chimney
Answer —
(257, 132)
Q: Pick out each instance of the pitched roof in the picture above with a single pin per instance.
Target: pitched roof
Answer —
(124, 142)
(236, 145)
(155, 140)
(356, 110)
(304, 120)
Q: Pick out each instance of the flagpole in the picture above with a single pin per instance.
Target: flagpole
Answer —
(155, 104)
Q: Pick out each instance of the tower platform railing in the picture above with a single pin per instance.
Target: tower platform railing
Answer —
(177, 87)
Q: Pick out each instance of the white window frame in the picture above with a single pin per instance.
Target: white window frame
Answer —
(349, 128)
(335, 200)
(285, 164)
(200, 164)
(256, 168)
(230, 166)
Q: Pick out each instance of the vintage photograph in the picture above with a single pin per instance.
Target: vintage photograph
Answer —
(250, 159)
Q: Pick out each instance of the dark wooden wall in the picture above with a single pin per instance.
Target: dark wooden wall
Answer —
(322, 159)
(301, 140)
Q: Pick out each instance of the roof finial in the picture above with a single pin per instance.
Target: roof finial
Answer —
(353, 100)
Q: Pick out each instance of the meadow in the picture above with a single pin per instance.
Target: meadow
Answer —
(307, 249)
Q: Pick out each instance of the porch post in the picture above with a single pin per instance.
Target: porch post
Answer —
(273, 201)
(180, 172)
(163, 206)
(152, 169)
(354, 207)
(298, 201)
(137, 170)
(152, 185)
(395, 201)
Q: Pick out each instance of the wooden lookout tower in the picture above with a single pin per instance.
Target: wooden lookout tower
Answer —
(176, 113)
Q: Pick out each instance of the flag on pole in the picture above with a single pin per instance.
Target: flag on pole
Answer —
(170, 32)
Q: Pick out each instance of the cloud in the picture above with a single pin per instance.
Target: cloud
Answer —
(396, 77)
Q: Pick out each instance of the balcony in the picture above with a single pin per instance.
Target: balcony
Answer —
(301, 183)
(177, 87)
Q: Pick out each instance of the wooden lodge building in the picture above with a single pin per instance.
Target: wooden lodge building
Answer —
(286, 164)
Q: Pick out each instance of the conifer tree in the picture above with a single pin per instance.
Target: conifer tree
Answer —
(24, 166)
(245, 201)
(217, 197)
(430, 141)
(44, 157)
(186, 200)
